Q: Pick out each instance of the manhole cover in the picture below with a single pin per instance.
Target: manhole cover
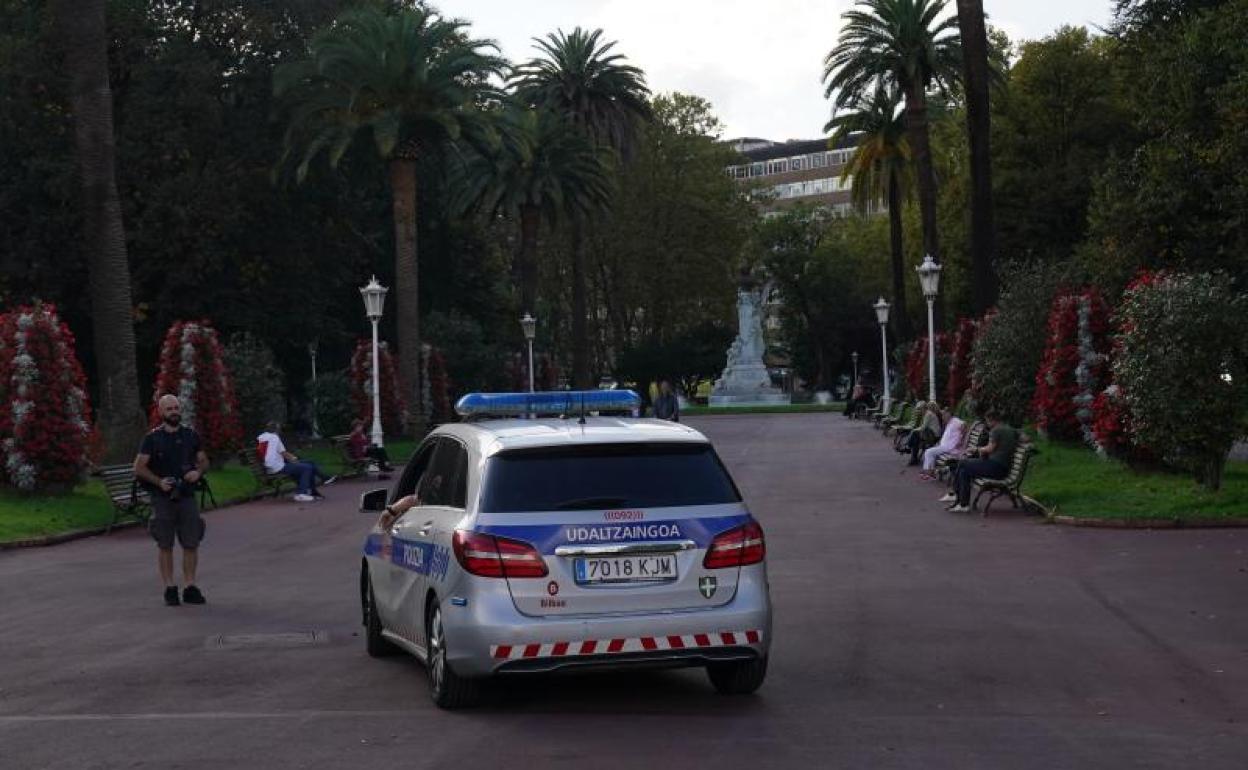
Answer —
(267, 641)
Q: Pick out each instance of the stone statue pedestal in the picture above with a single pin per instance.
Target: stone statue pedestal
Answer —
(745, 381)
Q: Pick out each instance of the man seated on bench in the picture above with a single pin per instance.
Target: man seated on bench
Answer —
(278, 460)
(993, 461)
(360, 448)
(950, 440)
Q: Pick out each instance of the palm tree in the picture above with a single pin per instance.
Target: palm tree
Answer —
(578, 78)
(543, 170)
(880, 169)
(412, 80)
(976, 74)
(121, 418)
(906, 43)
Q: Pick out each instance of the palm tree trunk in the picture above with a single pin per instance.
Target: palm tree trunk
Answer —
(121, 418)
(580, 327)
(902, 325)
(975, 75)
(407, 287)
(530, 222)
(920, 146)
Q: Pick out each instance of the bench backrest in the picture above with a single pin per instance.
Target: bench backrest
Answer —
(1018, 464)
(974, 435)
(120, 484)
(253, 463)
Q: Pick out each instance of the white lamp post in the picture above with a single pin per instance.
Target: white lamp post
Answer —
(528, 324)
(881, 315)
(929, 279)
(854, 357)
(374, 295)
(316, 428)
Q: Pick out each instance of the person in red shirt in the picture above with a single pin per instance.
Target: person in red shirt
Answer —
(361, 448)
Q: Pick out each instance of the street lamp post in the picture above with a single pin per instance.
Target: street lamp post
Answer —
(316, 428)
(374, 295)
(854, 357)
(929, 279)
(881, 315)
(528, 324)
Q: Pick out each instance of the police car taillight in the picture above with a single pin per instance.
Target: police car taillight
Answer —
(737, 547)
(490, 556)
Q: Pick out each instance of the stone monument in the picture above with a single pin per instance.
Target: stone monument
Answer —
(745, 381)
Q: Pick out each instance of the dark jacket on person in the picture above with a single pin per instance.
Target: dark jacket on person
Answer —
(667, 407)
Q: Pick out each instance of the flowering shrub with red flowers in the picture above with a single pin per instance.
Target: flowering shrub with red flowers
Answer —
(978, 349)
(960, 361)
(45, 414)
(1053, 402)
(916, 363)
(360, 373)
(192, 367)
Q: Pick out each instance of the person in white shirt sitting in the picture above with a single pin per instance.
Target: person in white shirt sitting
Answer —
(278, 460)
(950, 440)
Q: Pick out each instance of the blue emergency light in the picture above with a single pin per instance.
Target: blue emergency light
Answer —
(560, 402)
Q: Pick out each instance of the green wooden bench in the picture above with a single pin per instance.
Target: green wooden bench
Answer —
(909, 422)
(901, 415)
(353, 466)
(128, 498)
(266, 483)
(1011, 484)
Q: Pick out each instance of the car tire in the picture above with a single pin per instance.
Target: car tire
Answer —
(377, 645)
(447, 689)
(739, 677)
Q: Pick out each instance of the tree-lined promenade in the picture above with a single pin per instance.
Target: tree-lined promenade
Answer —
(244, 167)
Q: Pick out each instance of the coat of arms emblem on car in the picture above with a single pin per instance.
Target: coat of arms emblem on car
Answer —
(707, 586)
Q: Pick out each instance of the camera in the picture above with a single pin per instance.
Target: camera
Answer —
(177, 487)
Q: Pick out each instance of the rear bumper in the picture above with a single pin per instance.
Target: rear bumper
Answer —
(489, 635)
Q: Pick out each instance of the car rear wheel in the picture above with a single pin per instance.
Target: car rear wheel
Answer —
(448, 689)
(377, 645)
(739, 677)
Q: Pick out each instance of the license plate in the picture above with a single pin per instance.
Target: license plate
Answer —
(642, 568)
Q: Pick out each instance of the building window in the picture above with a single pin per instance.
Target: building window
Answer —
(797, 164)
(757, 169)
(818, 160)
(742, 172)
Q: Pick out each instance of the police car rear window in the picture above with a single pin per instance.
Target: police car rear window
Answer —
(606, 476)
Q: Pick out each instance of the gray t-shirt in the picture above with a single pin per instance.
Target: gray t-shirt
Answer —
(1006, 439)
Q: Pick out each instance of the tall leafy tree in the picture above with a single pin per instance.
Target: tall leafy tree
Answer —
(543, 171)
(86, 40)
(975, 76)
(577, 77)
(913, 45)
(880, 169)
(412, 81)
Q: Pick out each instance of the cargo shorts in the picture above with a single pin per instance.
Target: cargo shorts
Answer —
(178, 518)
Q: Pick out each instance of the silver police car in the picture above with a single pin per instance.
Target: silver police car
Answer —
(572, 541)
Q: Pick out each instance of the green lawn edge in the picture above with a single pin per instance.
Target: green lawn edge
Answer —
(87, 508)
(1076, 482)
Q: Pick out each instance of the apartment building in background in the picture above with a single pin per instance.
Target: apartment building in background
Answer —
(796, 171)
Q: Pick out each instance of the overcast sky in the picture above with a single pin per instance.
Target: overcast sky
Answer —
(759, 62)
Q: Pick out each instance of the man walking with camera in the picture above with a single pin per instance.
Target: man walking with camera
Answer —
(169, 464)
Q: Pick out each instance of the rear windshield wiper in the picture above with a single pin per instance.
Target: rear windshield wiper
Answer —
(583, 503)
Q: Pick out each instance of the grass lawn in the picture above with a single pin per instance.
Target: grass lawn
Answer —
(772, 409)
(88, 506)
(1075, 481)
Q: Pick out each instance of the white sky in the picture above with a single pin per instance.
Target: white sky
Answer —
(759, 62)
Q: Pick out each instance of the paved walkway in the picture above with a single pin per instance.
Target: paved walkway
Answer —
(906, 637)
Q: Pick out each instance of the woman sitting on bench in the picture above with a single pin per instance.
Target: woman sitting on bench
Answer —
(950, 440)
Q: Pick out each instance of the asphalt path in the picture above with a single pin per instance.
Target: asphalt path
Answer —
(905, 637)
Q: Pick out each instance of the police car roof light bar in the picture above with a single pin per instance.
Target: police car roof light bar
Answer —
(555, 402)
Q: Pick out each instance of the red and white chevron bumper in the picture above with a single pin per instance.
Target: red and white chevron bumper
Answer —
(620, 646)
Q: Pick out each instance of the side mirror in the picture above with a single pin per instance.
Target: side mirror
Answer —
(373, 501)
